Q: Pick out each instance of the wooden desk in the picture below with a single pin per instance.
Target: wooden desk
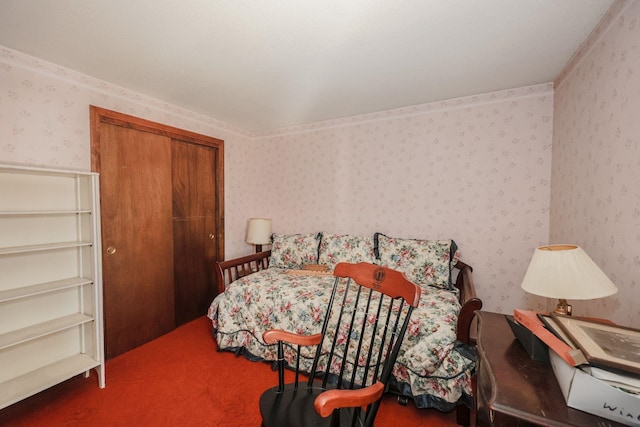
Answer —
(512, 389)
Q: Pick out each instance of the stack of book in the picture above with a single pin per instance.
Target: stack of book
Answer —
(598, 344)
(607, 357)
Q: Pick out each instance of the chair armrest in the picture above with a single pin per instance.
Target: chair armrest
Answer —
(272, 336)
(330, 400)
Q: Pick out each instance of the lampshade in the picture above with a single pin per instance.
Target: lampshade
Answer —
(259, 231)
(566, 272)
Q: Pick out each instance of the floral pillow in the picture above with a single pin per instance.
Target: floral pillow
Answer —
(336, 248)
(294, 250)
(425, 262)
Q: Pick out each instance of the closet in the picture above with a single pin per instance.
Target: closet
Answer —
(162, 225)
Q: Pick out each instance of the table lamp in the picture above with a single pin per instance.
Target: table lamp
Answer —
(259, 232)
(565, 272)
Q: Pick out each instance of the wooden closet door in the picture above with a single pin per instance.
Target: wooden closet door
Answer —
(162, 196)
(136, 199)
(194, 228)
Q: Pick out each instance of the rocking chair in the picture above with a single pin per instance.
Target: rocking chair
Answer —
(367, 317)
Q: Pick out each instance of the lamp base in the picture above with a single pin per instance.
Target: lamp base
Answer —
(563, 308)
(536, 349)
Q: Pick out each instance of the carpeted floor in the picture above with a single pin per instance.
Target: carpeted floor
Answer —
(178, 379)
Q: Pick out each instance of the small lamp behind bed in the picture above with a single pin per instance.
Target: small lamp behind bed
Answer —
(259, 232)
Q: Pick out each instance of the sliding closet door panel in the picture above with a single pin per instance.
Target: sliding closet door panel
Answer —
(194, 228)
(143, 167)
(136, 231)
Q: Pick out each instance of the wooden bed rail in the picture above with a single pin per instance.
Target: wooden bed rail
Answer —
(469, 300)
(231, 270)
(470, 304)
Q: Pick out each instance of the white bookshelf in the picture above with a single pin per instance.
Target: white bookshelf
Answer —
(50, 280)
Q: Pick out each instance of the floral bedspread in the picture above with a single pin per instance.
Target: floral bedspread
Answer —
(432, 367)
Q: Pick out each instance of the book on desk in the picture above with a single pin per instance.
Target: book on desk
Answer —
(609, 387)
(586, 341)
(531, 321)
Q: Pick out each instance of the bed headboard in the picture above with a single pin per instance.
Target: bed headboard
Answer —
(231, 270)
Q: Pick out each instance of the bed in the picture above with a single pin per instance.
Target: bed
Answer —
(285, 289)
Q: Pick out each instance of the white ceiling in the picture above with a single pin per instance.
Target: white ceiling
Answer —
(263, 65)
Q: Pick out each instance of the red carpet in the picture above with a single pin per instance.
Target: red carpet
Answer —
(178, 379)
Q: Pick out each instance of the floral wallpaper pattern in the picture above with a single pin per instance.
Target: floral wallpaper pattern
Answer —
(595, 197)
(44, 112)
(477, 170)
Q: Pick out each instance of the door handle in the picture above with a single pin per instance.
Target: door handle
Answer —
(111, 250)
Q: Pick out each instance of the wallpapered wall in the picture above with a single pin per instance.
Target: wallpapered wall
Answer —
(473, 169)
(595, 197)
(44, 117)
(44, 113)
